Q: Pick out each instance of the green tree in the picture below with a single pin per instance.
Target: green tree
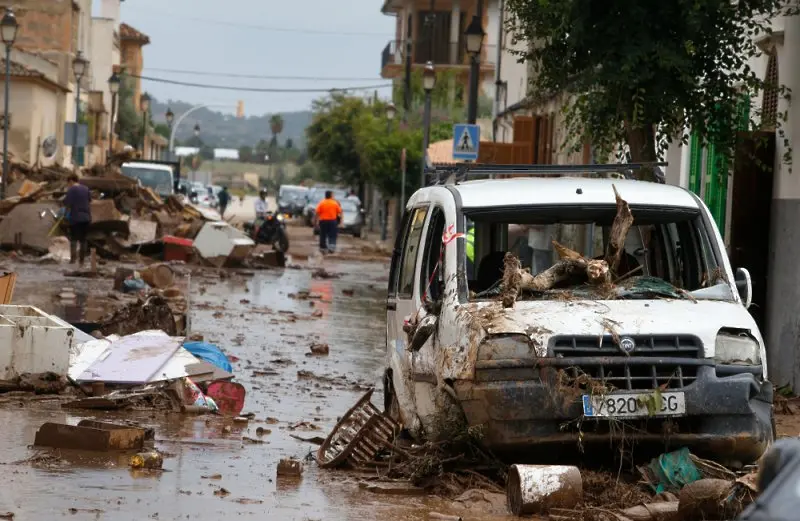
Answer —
(628, 68)
(261, 151)
(129, 120)
(331, 137)
(276, 126)
(162, 129)
(246, 154)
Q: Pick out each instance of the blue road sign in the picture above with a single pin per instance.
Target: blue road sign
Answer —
(466, 140)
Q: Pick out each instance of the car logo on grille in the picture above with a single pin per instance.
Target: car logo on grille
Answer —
(627, 344)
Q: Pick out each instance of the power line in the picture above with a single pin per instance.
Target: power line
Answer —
(257, 89)
(297, 30)
(258, 76)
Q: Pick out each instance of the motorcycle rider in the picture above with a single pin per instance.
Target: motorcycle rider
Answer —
(261, 208)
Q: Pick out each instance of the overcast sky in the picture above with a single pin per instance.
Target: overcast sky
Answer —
(316, 38)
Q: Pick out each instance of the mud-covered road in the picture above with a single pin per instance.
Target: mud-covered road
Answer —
(253, 318)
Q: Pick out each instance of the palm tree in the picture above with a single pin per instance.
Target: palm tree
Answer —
(276, 126)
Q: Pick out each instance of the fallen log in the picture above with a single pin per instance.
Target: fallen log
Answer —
(619, 231)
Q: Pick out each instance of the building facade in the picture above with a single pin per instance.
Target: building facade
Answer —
(433, 30)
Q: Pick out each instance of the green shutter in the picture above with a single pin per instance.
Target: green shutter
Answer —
(743, 113)
(695, 163)
(717, 185)
(80, 156)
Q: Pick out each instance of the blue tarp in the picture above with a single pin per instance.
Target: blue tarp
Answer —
(209, 353)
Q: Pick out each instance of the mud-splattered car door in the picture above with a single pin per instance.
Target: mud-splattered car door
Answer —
(402, 305)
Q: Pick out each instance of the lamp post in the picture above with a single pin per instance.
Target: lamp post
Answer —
(144, 105)
(113, 87)
(8, 31)
(79, 65)
(197, 130)
(170, 116)
(428, 83)
(474, 37)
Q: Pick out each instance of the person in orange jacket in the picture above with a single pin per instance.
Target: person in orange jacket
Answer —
(328, 216)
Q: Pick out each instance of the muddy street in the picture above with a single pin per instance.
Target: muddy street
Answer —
(215, 468)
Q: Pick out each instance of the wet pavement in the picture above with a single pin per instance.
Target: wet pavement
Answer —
(254, 319)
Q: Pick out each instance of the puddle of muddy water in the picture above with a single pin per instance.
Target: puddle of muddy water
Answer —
(254, 319)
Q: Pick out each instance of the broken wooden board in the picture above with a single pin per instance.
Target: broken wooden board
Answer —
(104, 210)
(109, 185)
(79, 437)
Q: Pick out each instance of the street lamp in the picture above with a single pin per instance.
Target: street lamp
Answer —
(170, 118)
(428, 83)
(79, 65)
(197, 130)
(391, 111)
(113, 87)
(8, 32)
(474, 39)
(144, 104)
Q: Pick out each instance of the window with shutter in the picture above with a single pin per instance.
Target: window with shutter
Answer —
(769, 101)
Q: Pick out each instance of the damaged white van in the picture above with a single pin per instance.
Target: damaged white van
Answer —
(665, 350)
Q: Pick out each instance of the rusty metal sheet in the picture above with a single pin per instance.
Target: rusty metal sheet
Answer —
(61, 436)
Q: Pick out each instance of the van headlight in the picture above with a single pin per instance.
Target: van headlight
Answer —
(506, 347)
(737, 349)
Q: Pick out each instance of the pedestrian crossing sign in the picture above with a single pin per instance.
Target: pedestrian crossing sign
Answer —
(466, 140)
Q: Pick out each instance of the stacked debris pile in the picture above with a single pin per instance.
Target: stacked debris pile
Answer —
(126, 216)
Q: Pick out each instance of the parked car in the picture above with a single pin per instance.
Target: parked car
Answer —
(668, 349)
(352, 218)
(292, 199)
(314, 196)
(156, 176)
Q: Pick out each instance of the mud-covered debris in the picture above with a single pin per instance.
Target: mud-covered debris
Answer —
(348, 292)
(147, 460)
(272, 421)
(244, 301)
(261, 431)
(95, 511)
(444, 517)
(319, 348)
(6, 515)
(222, 492)
(322, 273)
(304, 426)
(536, 489)
(317, 313)
(212, 476)
(713, 499)
(251, 441)
(305, 295)
(290, 468)
(316, 440)
(152, 313)
(394, 489)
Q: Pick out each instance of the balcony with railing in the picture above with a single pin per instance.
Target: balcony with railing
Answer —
(450, 55)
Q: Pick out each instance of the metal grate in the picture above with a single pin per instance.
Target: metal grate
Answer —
(681, 346)
(637, 373)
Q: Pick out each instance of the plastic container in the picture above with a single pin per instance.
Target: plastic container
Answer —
(147, 460)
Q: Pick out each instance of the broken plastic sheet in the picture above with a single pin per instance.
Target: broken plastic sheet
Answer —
(133, 359)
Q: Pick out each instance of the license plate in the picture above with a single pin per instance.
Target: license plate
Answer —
(632, 405)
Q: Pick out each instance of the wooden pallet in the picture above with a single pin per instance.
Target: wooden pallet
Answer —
(358, 437)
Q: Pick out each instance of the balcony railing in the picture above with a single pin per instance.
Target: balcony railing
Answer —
(440, 53)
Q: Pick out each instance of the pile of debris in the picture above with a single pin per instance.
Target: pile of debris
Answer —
(126, 217)
(676, 486)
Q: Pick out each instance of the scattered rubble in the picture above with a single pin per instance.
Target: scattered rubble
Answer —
(290, 468)
(319, 349)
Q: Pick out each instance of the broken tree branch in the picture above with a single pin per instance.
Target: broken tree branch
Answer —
(619, 231)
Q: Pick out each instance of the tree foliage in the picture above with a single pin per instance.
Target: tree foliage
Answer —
(631, 68)
(351, 142)
(276, 125)
(129, 120)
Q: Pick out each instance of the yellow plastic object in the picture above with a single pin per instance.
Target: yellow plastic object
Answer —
(7, 283)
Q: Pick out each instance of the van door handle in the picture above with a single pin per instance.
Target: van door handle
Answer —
(391, 306)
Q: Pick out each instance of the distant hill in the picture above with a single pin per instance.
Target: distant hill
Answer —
(226, 131)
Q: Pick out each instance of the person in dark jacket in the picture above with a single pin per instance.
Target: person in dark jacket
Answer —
(78, 213)
(224, 198)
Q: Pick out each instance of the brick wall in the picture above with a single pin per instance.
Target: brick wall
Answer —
(44, 24)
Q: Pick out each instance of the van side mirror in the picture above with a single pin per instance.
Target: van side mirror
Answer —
(744, 285)
(423, 332)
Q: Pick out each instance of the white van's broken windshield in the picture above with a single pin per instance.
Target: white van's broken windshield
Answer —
(567, 252)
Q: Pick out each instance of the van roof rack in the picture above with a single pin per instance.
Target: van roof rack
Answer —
(462, 172)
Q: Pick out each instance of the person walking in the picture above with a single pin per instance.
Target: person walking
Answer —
(224, 198)
(78, 212)
(328, 216)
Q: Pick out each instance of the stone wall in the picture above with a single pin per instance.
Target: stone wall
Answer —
(44, 24)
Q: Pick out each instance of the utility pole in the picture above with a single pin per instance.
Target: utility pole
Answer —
(474, 71)
(407, 82)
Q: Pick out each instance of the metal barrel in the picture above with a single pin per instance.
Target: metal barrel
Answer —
(535, 489)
